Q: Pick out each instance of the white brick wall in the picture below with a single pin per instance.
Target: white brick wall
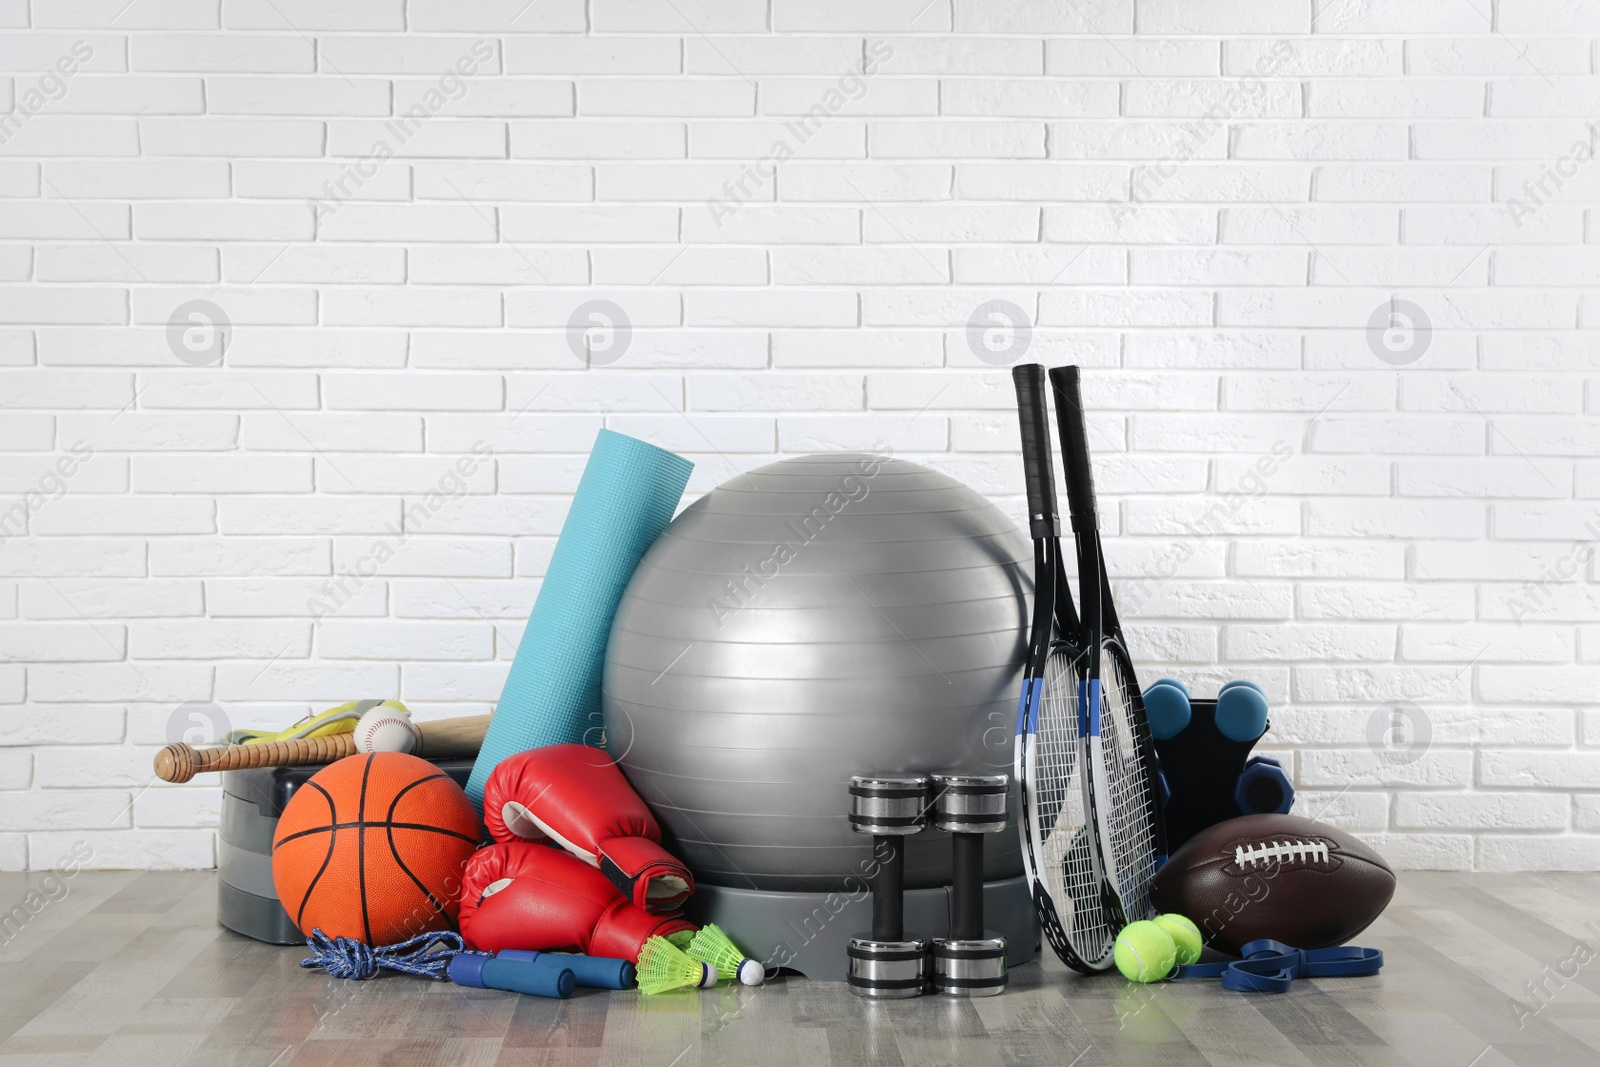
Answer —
(1207, 203)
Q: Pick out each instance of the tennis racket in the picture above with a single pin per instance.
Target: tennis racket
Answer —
(1043, 525)
(1058, 856)
(1120, 767)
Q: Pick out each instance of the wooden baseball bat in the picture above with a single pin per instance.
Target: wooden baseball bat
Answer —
(440, 739)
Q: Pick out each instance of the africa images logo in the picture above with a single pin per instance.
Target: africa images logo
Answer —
(1399, 332)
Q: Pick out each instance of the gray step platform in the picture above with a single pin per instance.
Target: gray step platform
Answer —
(807, 932)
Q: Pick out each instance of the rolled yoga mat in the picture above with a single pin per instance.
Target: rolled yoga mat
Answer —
(626, 497)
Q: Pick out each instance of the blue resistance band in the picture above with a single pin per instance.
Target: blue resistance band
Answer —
(1269, 966)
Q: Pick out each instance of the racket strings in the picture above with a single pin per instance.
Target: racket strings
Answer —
(1133, 838)
(1057, 743)
(1068, 861)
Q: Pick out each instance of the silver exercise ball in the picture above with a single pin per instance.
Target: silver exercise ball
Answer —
(815, 619)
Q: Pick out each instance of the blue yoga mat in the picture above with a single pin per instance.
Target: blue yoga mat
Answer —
(626, 498)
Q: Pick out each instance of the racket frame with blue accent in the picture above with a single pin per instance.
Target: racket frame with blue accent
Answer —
(1121, 772)
(1074, 927)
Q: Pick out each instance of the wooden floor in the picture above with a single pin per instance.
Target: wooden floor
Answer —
(131, 968)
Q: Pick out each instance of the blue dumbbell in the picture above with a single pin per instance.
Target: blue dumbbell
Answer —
(1172, 681)
(1263, 788)
(1166, 708)
(1241, 711)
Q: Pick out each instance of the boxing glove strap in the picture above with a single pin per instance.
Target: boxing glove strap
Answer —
(646, 873)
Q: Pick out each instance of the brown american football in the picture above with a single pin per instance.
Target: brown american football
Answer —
(1295, 880)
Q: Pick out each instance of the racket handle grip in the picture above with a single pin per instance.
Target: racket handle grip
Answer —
(1074, 447)
(1037, 471)
(888, 886)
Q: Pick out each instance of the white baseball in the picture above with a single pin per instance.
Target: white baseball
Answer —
(385, 730)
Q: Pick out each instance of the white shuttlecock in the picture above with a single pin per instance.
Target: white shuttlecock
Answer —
(711, 945)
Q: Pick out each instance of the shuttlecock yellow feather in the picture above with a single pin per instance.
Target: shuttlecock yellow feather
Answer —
(711, 945)
(663, 967)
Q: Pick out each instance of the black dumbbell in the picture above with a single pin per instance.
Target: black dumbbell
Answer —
(971, 961)
(888, 962)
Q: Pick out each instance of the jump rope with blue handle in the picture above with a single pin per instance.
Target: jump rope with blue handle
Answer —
(444, 957)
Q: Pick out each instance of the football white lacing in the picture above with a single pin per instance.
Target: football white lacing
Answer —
(1281, 852)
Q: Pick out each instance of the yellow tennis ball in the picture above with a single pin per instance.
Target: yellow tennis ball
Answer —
(1185, 935)
(1144, 952)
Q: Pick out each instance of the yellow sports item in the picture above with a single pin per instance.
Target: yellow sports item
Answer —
(1185, 936)
(711, 945)
(1144, 952)
(339, 720)
(662, 967)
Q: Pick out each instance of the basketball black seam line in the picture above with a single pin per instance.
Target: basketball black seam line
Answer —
(412, 785)
(421, 827)
(362, 824)
(333, 828)
(333, 839)
(361, 850)
(438, 905)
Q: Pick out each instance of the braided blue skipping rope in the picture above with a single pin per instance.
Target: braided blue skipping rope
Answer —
(345, 957)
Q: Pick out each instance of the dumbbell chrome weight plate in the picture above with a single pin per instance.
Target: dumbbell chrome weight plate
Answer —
(974, 967)
(889, 805)
(970, 803)
(888, 963)
(888, 970)
(971, 961)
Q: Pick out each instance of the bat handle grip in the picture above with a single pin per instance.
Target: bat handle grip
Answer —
(180, 762)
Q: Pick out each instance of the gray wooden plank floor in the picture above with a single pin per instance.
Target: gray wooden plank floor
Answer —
(129, 968)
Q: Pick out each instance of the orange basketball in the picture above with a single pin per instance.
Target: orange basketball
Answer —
(372, 847)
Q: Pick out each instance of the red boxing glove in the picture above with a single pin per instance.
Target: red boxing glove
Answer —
(576, 797)
(528, 896)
